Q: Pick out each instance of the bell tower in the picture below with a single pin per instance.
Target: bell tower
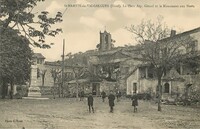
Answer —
(105, 41)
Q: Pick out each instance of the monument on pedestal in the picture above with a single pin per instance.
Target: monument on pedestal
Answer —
(34, 90)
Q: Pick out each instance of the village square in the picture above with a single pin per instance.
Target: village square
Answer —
(151, 83)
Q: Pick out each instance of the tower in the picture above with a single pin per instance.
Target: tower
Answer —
(105, 41)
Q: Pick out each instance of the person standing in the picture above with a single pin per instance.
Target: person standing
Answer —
(134, 102)
(81, 95)
(111, 99)
(118, 95)
(90, 102)
(103, 95)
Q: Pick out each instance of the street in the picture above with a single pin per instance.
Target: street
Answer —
(68, 113)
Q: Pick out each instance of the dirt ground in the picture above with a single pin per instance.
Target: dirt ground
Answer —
(65, 113)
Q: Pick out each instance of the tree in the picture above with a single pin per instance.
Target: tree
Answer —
(18, 14)
(55, 74)
(78, 72)
(43, 73)
(15, 60)
(158, 50)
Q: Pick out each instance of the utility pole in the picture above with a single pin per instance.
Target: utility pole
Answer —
(63, 67)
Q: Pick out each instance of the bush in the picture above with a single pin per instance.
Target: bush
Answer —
(128, 96)
(22, 90)
(18, 96)
(141, 96)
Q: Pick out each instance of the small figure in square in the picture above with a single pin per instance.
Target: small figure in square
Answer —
(111, 99)
(134, 99)
(103, 95)
(90, 102)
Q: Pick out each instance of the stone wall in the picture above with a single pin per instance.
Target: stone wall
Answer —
(148, 85)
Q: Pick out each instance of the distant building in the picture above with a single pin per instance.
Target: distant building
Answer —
(38, 58)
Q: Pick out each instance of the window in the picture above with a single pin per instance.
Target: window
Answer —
(192, 47)
(166, 88)
(150, 72)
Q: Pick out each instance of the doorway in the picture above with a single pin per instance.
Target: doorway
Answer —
(134, 87)
(95, 88)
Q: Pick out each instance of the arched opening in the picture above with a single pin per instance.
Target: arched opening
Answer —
(166, 87)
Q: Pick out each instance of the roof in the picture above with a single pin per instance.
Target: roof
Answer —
(173, 75)
(38, 55)
(182, 34)
(112, 57)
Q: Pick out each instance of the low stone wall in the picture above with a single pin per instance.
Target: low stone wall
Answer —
(47, 90)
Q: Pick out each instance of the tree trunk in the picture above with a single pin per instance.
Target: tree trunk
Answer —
(159, 93)
(11, 89)
(4, 85)
(77, 90)
(59, 90)
(159, 73)
(43, 80)
(62, 90)
(54, 88)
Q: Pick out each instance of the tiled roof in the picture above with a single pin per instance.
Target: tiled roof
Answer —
(52, 63)
(38, 55)
(182, 34)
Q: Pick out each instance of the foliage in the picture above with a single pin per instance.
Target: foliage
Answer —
(16, 19)
(195, 95)
(150, 30)
(18, 14)
(16, 56)
(22, 91)
(156, 49)
(108, 72)
(55, 74)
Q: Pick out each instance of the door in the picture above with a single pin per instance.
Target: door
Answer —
(134, 87)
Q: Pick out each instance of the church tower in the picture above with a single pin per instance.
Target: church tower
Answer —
(105, 41)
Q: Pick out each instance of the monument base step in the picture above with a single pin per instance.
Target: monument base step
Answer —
(38, 98)
(34, 94)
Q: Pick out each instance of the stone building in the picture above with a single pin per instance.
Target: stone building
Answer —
(119, 68)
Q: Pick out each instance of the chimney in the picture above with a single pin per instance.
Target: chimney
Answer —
(173, 33)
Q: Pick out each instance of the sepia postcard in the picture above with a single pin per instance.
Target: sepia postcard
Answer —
(99, 64)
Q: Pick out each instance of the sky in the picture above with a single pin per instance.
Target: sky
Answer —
(81, 25)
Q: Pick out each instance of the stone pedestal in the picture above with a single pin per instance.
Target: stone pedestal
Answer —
(34, 90)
